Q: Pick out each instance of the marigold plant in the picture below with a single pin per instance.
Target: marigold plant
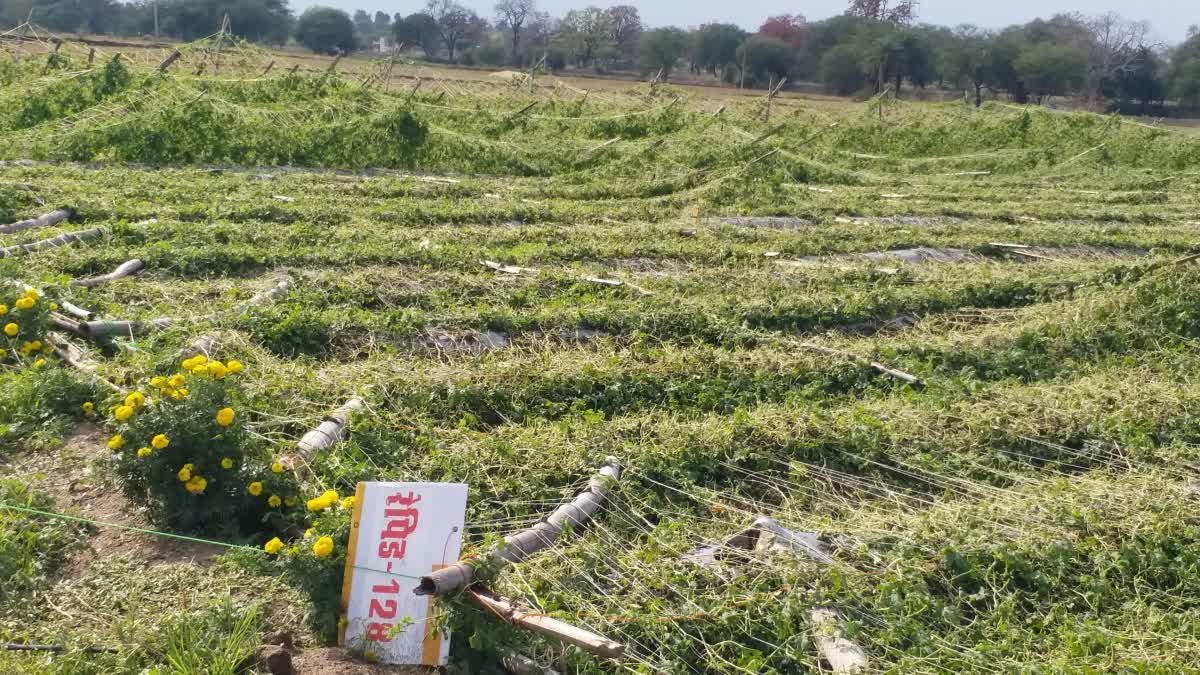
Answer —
(24, 323)
(182, 448)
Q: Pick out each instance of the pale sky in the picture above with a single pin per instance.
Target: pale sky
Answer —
(1170, 18)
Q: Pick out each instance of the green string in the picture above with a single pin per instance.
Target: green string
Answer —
(169, 535)
(156, 533)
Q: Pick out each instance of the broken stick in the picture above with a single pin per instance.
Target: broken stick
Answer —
(63, 239)
(329, 431)
(536, 622)
(913, 381)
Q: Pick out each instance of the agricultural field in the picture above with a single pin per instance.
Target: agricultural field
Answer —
(951, 349)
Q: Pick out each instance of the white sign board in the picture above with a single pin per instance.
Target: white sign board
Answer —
(399, 532)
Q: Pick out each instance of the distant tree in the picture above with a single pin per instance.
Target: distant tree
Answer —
(624, 29)
(587, 31)
(969, 57)
(1144, 83)
(661, 49)
(1052, 69)
(1183, 78)
(91, 16)
(717, 45)
(455, 24)
(766, 57)
(791, 28)
(383, 22)
(1115, 46)
(326, 31)
(257, 20)
(823, 36)
(512, 14)
(904, 12)
(418, 29)
(363, 22)
(841, 70)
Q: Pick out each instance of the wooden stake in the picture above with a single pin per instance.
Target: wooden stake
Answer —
(91, 56)
(535, 622)
(914, 381)
(526, 543)
(269, 67)
(518, 113)
(75, 357)
(166, 63)
(77, 311)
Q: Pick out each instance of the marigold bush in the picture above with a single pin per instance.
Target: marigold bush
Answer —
(24, 323)
(183, 449)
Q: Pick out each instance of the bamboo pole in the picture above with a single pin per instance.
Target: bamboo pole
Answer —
(125, 269)
(329, 431)
(77, 311)
(587, 155)
(61, 240)
(46, 220)
(526, 543)
(912, 380)
(103, 330)
(535, 622)
(842, 655)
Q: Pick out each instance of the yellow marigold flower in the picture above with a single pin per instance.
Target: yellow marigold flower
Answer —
(225, 416)
(160, 441)
(274, 501)
(256, 488)
(188, 364)
(32, 293)
(316, 504)
(330, 496)
(183, 392)
(226, 463)
(196, 485)
(88, 408)
(234, 367)
(200, 371)
(116, 442)
(185, 474)
(323, 547)
(158, 381)
(123, 413)
(54, 307)
(309, 532)
(24, 303)
(177, 381)
(200, 359)
(348, 502)
(293, 551)
(274, 546)
(25, 349)
(39, 363)
(35, 346)
(144, 452)
(216, 370)
(135, 400)
(276, 467)
(3, 354)
(3, 310)
(11, 329)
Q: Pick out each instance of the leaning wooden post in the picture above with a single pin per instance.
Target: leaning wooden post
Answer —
(526, 543)
(91, 56)
(269, 67)
(166, 63)
(536, 622)
(75, 358)
(329, 431)
(333, 66)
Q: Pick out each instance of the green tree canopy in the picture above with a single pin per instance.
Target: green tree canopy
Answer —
(717, 45)
(661, 48)
(326, 31)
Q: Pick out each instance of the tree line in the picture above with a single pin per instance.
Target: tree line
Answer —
(875, 45)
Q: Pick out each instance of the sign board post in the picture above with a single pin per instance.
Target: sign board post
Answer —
(399, 532)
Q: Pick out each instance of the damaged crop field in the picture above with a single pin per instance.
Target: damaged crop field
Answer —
(900, 387)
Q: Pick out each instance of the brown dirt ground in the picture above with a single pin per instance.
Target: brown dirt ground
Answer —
(335, 661)
(68, 477)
